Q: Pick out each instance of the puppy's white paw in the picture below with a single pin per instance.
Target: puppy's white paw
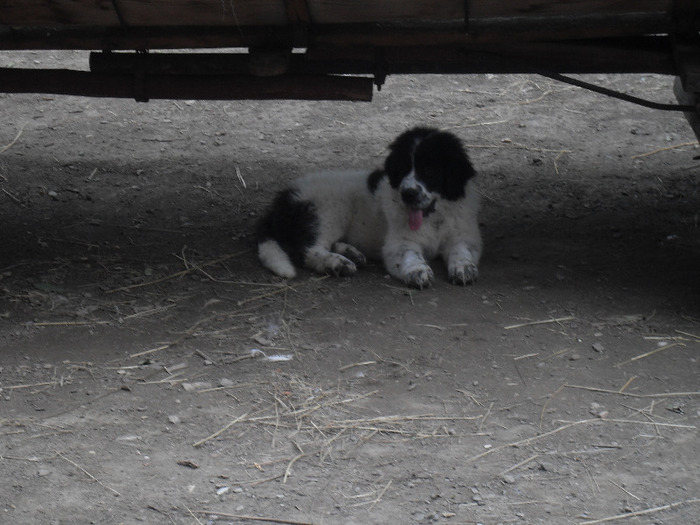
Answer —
(336, 264)
(419, 276)
(465, 273)
(350, 252)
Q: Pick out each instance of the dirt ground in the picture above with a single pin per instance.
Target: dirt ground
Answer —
(152, 372)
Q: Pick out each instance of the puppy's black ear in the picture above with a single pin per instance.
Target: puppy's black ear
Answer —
(399, 163)
(458, 168)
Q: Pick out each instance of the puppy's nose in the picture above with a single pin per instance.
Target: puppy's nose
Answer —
(411, 196)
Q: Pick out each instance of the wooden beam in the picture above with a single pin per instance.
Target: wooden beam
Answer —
(236, 13)
(185, 87)
(637, 55)
(297, 11)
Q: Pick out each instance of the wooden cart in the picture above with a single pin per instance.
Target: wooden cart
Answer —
(341, 49)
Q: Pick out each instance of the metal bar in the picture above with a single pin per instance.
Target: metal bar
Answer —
(618, 95)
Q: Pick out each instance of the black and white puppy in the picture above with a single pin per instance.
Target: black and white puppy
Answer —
(422, 205)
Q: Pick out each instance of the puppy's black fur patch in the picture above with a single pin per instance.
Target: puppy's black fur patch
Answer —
(292, 222)
(373, 180)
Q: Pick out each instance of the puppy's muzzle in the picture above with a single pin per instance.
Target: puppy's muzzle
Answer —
(413, 198)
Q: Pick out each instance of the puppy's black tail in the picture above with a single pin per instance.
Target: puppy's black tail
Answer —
(285, 232)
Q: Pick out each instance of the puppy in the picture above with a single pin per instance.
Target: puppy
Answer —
(421, 205)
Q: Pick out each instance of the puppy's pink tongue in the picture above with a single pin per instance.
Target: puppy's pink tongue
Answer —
(415, 219)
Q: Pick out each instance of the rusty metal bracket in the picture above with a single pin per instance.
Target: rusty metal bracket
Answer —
(467, 11)
(139, 76)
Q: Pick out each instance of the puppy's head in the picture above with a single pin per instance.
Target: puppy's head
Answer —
(425, 165)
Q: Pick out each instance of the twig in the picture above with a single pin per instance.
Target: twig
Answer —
(69, 323)
(192, 514)
(543, 95)
(695, 143)
(628, 383)
(179, 274)
(641, 512)
(253, 518)
(647, 354)
(17, 387)
(485, 417)
(184, 336)
(152, 311)
(532, 439)
(281, 289)
(434, 326)
(518, 465)
(546, 321)
(261, 481)
(219, 432)
(641, 396)
(116, 493)
(240, 176)
(514, 145)
(696, 337)
(19, 134)
(288, 470)
(380, 495)
(11, 196)
(546, 403)
(654, 423)
(625, 490)
(478, 124)
(353, 365)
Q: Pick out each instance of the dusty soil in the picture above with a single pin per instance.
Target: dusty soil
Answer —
(152, 372)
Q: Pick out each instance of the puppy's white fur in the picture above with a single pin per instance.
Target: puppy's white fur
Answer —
(451, 232)
(376, 226)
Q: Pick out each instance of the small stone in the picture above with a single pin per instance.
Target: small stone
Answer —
(193, 387)
(174, 420)
(598, 347)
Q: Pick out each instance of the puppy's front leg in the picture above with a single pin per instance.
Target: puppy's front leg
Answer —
(405, 261)
(462, 259)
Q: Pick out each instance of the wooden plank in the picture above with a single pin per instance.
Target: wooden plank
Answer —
(135, 13)
(203, 12)
(297, 11)
(408, 11)
(145, 13)
(481, 33)
(414, 11)
(556, 8)
(58, 12)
